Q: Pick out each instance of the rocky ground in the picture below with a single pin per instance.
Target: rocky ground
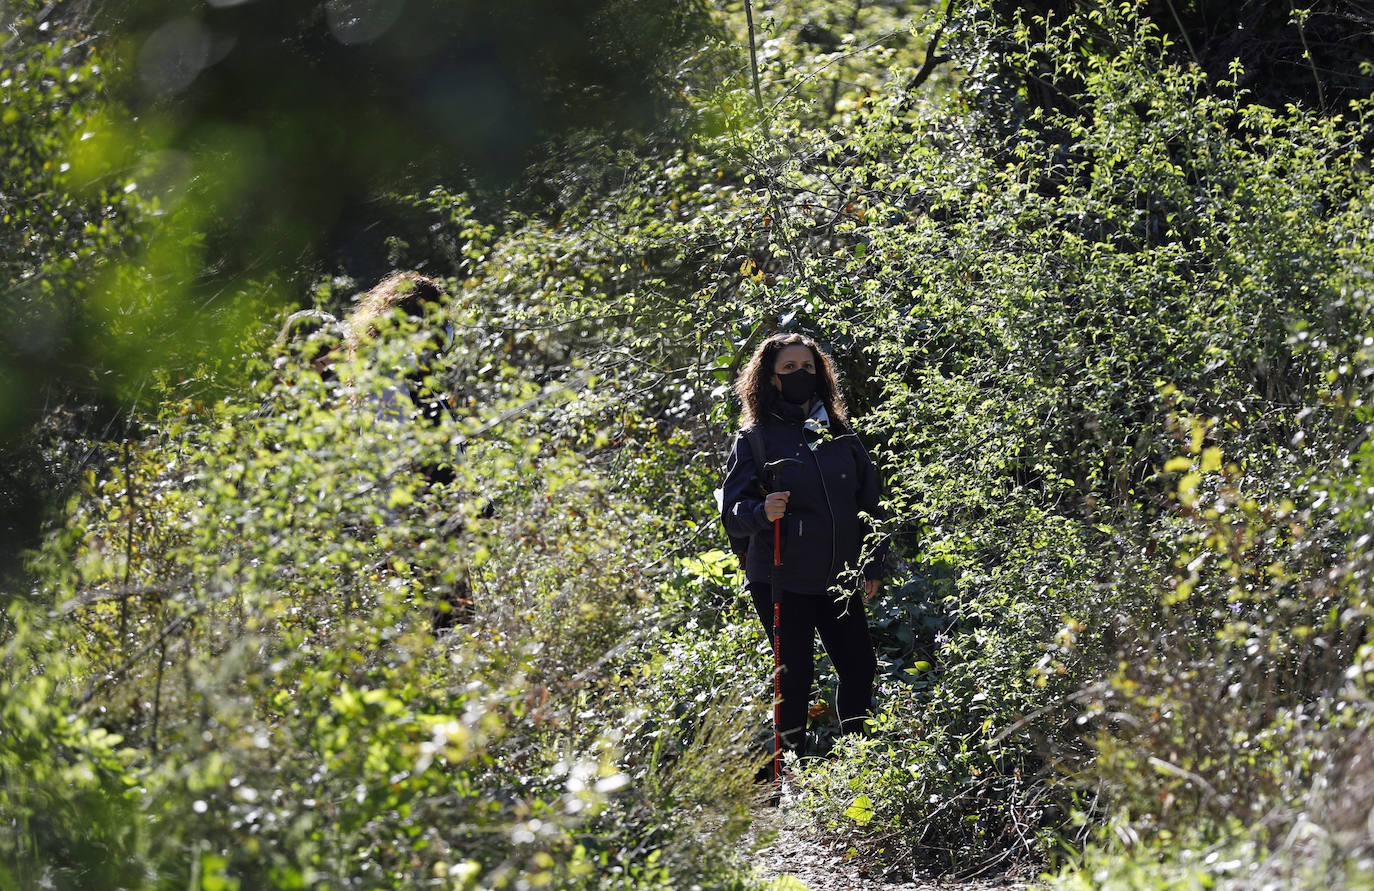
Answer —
(797, 859)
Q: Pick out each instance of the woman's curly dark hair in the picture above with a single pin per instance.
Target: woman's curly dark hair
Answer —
(756, 392)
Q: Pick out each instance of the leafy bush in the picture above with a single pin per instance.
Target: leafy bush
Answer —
(1103, 317)
(239, 612)
(1020, 294)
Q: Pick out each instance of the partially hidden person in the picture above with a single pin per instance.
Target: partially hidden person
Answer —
(806, 505)
(408, 394)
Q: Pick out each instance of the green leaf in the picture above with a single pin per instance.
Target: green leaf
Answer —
(860, 810)
(213, 878)
(788, 883)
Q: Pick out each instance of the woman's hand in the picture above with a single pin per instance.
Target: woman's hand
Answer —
(775, 505)
(871, 587)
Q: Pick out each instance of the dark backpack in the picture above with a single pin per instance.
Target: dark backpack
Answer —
(740, 546)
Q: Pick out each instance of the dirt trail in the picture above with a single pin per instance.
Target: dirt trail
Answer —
(804, 856)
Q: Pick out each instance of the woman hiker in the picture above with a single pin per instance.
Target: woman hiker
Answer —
(817, 480)
(408, 394)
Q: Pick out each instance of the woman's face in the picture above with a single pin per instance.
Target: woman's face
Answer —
(789, 359)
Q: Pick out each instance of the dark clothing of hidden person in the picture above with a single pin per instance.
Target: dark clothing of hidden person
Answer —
(792, 404)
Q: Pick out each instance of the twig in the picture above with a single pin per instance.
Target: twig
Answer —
(123, 593)
(835, 84)
(1182, 29)
(987, 863)
(129, 663)
(157, 694)
(753, 54)
(37, 20)
(128, 548)
(620, 647)
(1307, 51)
(1085, 693)
(534, 400)
(868, 46)
(1165, 767)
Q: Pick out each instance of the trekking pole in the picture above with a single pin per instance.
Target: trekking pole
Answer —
(775, 471)
(777, 650)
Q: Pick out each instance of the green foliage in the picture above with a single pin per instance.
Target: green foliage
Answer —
(1012, 303)
(59, 772)
(53, 232)
(174, 176)
(1103, 319)
(1005, 301)
(1006, 284)
(244, 600)
(826, 60)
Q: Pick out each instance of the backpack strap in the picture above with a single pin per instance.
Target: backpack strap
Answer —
(755, 438)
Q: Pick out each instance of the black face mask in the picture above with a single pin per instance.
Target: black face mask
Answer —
(798, 386)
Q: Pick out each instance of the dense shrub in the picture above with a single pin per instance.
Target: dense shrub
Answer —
(1027, 313)
(1103, 316)
(237, 621)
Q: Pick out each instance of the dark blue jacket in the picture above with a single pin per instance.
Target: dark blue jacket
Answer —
(821, 531)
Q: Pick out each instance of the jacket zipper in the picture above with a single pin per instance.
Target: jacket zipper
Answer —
(825, 490)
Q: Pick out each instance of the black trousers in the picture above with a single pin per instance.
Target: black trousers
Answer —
(843, 629)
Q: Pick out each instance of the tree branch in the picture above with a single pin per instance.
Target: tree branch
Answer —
(933, 58)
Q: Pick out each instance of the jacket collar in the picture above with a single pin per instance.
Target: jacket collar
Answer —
(817, 422)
